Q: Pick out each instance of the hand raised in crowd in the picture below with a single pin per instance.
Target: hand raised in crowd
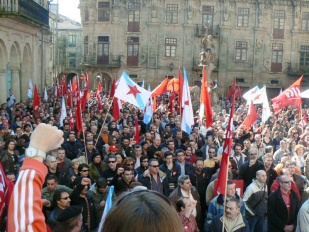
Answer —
(86, 181)
(120, 171)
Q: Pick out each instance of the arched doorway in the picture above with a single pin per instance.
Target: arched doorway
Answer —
(106, 80)
(70, 77)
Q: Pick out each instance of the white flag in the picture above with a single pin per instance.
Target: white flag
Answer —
(45, 95)
(30, 89)
(63, 112)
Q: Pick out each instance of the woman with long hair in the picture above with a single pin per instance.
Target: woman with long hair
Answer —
(9, 159)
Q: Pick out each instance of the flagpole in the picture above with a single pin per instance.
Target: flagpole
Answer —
(301, 118)
(109, 106)
(225, 193)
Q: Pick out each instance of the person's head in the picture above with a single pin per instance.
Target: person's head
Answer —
(170, 145)
(168, 157)
(89, 144)
(83, 170)
(199, 164)
(232, 208)
(237, 149)
(210, 140)
(299, 150)
(75, 163)
(212, 151)
(70, 219)
(180, 154)
(120, 158)
(144, 161)
(182, 204)
(247, 144)
(127, 174)
(285, 182)
(71, 137)
(60, 153)
(268, 160)
(129, 162)
(51, 162)
(230, 189)
(10, 144)
(188, 150)
(291, 165)
(61, 198)
(184, 182)
(152, 209)
(18, 131)
(138, 150)
(157, 141)
(283, 144)
(153, 166)
(253, 154)
(51, 182)
(96, 158)
(101, 185)
(27, 127)
(261, 176)
(269, 149)
(112, 162)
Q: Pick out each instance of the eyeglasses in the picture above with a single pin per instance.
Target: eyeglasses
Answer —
(253, 154)
(145, 191)
(111, 162)
(65, 198)
(154, 166)
(286, 182)
(130, 164)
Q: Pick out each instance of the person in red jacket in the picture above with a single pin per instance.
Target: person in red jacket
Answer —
(25, 208)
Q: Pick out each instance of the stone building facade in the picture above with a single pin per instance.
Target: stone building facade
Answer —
(23, 33)
(255, 41)
(65, 49)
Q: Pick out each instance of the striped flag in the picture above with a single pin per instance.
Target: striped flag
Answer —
(187, 115)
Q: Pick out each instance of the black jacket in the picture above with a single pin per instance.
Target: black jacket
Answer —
(72, 149)
(278, 216)
(247, 173)
(172, 175)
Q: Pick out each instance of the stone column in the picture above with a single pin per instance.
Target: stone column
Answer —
(3, 86)
(16, 84)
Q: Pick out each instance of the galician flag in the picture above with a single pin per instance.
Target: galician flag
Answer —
(63, 114)
(30, 89)
(127, 90)
(108, 206)
(187, 113)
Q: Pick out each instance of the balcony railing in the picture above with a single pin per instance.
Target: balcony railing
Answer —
(28, 9)
(111, 61)
(212, 30)
(296, 70)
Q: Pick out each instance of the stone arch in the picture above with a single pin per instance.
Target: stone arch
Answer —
(15, 61)
(25, 71)
(70, 76)
(3, 55)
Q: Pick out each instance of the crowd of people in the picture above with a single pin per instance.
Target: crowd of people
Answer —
(166, 181)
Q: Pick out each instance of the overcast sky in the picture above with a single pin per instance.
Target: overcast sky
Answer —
(69, 8)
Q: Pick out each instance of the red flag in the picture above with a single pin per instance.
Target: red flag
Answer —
(78, 116)
(63, 84)
(70, 101)
(206, 108)
(180, 89)
(112, 93)
(304, 121)
(231, 90)
(290, 96)
(238, 92)
(251, 117)
(74, 84)
(173, 85)
(36, 100)
(58, 88)
(161, 88)
(116, 110)
(227, 147)
(71, 120)
(136, 135)
(98, 96)
(7, 187)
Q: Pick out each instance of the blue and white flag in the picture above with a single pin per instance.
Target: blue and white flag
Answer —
(30, 89)
(108, 206)
(127, 90)
(187, 115)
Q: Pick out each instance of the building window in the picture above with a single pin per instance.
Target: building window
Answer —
(276, 59)
(133, 16)
(304, 57)
(241, 50)
(103, 11)
(305, 22)
(208, 19)
(172, 13)
(72, 59)
(86, 48)
(243, 17)
(103, 50)
(86, 15)
(132, 51)
(278, 32)
(170, 47)
(72, 41)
